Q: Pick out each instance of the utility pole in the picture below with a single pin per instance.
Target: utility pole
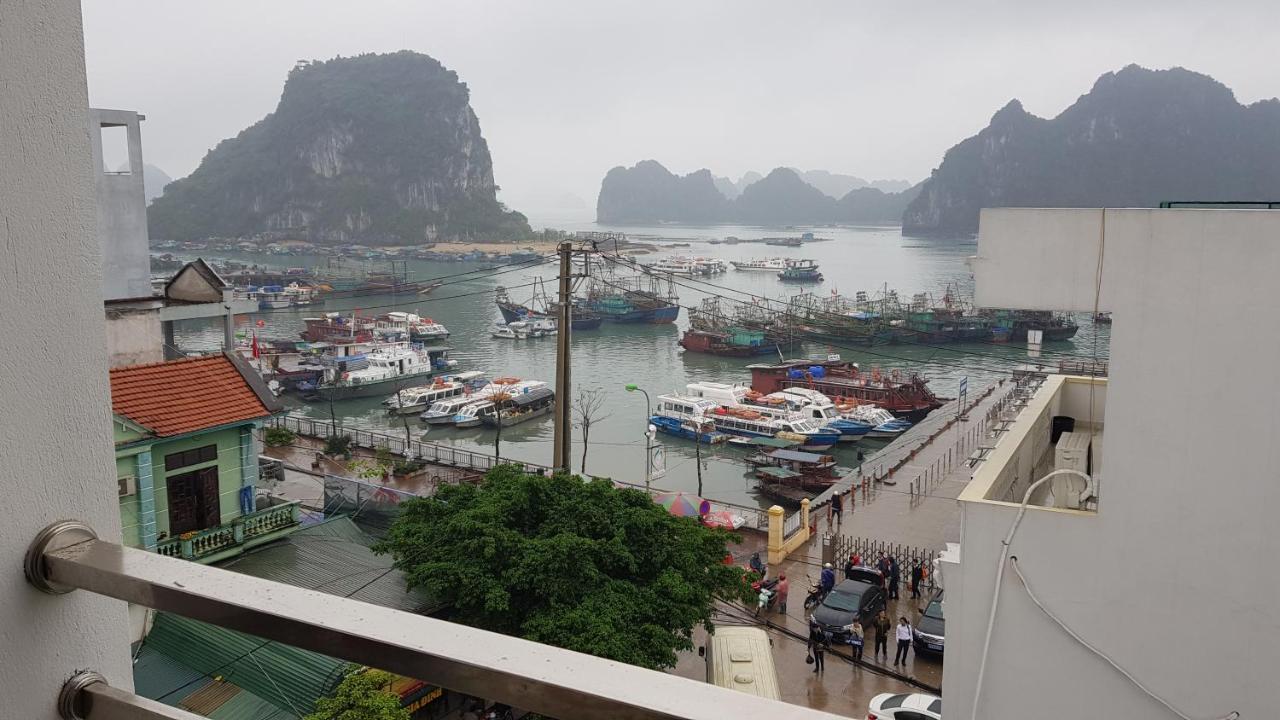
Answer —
(564, 329)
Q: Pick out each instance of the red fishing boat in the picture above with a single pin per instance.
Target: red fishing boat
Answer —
(906, 395)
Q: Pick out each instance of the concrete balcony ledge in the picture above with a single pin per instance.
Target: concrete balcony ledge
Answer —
(230, 539)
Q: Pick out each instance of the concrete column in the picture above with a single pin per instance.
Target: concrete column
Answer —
(146, 501)
(48, 232)
(170, 343)
(804, 517)
(776, 518)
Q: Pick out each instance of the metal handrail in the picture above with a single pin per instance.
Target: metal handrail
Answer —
(540, 678)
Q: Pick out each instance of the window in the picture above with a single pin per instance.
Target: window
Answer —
(195, 456)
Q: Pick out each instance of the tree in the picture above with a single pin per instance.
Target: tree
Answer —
(361, 695)
(578, 564)
(587, 410)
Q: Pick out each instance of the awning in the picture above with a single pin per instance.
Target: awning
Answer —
(796, 456)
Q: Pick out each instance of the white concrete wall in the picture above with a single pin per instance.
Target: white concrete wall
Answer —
(122, 211)
(134, 338)
(1173, 575)
(56, 411)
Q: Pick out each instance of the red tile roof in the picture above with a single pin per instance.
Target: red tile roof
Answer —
(181, 396)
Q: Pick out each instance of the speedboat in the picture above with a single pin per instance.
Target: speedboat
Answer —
(698, 430)
(471, 414)
(883, 423)
(518, 330)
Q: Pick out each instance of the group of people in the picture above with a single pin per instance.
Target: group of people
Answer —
(891, 574)
(819, 643)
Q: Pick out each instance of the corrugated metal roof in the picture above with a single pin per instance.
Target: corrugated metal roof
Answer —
(247, 706)
(159, 677)
(333, 557)
(283, 675)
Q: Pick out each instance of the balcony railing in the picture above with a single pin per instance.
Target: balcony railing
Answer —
(540, 678)
(242, 531)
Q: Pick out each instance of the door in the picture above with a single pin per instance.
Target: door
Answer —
(193, 501)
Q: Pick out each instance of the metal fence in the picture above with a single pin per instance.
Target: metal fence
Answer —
(427, 451)
(791, 524)
(837, 549)
(754, 518)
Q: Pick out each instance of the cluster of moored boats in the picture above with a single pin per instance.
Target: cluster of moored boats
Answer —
(467, 400)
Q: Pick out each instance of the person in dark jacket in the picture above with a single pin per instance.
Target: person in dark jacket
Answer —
(894, 577)
(818, 647)
(849, 567)
(917, 574)
(881, 627)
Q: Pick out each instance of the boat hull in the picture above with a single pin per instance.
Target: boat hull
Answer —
(367, 389)
(509, 420)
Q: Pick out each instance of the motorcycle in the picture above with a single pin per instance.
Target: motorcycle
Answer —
(766, 594)
(815, 597)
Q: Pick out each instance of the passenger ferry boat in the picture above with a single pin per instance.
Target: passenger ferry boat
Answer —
(883, 423)
(469, 415)
(773, 264)
(512, 409)
(823, 417)
(414, 400)
(300, 295)
(736, 419)
(691, 428)
(906, 395)
(384, 367)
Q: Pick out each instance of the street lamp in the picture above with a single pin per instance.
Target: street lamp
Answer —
(649, 431)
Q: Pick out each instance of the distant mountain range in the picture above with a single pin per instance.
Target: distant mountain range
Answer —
(1137, 138)
(649, 193)
(833, 184)
(154, 180)
(374, 148)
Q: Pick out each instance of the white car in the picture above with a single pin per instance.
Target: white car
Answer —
(904, 706)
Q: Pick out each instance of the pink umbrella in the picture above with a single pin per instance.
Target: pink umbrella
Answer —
(720, 518)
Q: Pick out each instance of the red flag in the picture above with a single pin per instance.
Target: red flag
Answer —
(256, 352)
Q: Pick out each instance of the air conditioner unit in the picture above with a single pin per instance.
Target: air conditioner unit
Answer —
(1073, 452)
(128, 485)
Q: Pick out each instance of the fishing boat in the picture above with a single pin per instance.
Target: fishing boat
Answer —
(270, 297)
(518, 330)
(784, 241)
(772, 265)
(800, 271)
(905, 394)
(540, 307)
(1102, 318)
(735, 342)
(334, 328)
(383, 370)
(414, 400)
(300, 295)
(512, 409)
(701, 431)
(1053, 326)
(339, 280)
(631, 298)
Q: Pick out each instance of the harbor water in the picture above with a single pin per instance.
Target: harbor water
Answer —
(648, 356)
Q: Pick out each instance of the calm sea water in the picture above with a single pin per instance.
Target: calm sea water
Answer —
(856, 258)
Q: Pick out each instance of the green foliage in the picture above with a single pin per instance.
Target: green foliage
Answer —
(578, 564)
(361, 696)
(277, 437)
(336, 445)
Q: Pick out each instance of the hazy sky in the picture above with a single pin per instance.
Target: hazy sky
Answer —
(566, 90)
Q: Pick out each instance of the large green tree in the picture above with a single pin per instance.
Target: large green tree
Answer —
(578, 564)
(361, 696)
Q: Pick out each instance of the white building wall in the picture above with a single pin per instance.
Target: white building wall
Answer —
(56, 410)
(1173, 576)
(122, 211)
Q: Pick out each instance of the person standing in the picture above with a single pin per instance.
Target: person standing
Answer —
(917, 574)
(856, 639)
(849, 567)
(783, 588)
(904, 641)
(894, 577)
(837, 507)
(881, 627)
(827, 579)
(817, 649)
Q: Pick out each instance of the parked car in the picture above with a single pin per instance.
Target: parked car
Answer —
(930, 630)
(850, 600)
(905, 706)
(866, 574)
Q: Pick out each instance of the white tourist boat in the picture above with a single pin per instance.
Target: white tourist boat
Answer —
(773, 264)
(467, 412)
(414, 400)
(380, 371)
(411, 326)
